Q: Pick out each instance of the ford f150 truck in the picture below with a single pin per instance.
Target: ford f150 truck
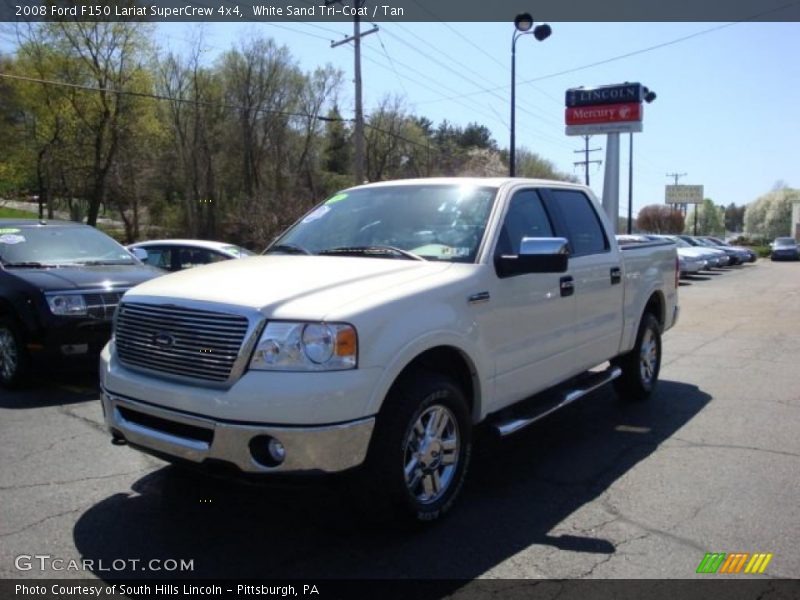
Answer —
(382, 327)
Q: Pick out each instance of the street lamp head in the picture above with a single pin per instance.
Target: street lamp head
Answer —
(523, 22)
(542, 32)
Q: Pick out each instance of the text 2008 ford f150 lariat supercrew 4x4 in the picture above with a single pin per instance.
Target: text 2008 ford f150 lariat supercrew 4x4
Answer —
(383, 326)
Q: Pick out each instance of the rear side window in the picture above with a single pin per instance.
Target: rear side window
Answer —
(584, 230)
(526, 217)
(194, 257)
(159, 256)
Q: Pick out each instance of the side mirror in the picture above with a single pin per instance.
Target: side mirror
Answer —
(139, 253)
(536, 255)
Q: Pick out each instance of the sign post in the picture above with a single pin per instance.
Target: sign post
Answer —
(682, 195)
(609, 109)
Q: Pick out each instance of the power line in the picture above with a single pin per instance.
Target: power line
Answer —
(586, 162)
(391, 62)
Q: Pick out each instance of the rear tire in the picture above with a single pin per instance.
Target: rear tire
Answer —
(641, 366)
(14, 359)
(420, 449)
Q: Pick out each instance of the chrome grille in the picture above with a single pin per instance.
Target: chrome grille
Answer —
(181, 341)
(102, 305)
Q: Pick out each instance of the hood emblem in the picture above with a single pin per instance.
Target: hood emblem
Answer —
(163, 339)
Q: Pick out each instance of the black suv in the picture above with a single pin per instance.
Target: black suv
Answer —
(60, 283)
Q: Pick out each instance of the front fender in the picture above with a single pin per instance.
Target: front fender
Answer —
(482, 376)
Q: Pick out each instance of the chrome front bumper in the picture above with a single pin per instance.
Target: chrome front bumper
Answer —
(328, 448)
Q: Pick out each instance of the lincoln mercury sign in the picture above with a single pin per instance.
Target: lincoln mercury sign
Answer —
(684, 194)
(604, 109)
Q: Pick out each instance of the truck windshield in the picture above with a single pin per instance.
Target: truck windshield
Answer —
(52, 245)
(432, 222)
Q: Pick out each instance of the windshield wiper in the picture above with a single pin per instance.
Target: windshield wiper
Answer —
(96, 263)
(289, 249)
(28, 265)
(379, 250)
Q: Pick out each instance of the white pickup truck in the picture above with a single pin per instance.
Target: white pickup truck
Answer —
(382, 327)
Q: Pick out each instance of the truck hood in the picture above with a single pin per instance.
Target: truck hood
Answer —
(287, 286)
(85, 277)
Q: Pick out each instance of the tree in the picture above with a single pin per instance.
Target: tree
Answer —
(660, 218)
(770, 215)
(337, 143)
(710, 219)
(530, 164)
(734, 217)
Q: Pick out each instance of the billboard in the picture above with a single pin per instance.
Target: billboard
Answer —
(604, 109)
(684, 194)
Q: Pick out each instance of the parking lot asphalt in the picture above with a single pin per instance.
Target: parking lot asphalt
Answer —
(603, 489)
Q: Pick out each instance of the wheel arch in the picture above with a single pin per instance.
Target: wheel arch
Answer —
(445, 358)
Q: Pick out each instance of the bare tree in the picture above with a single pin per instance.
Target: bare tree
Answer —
(659, 218)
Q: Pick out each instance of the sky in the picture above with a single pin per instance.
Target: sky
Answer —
(726, 111)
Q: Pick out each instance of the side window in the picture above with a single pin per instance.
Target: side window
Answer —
(193, 257)
(584, 230)
(526, 217)
(217, 257)
(158, 256)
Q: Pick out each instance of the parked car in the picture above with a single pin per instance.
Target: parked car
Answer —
(382, 327)
(737, 256)
(60, 283)
(722, 257)
(785, 248)
(749, 255)
(691, 260)
(687, 263)
(176, 255)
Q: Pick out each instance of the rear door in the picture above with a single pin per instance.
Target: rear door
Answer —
(595, 264)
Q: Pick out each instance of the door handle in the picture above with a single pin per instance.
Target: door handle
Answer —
(567, 286)
(616, 275)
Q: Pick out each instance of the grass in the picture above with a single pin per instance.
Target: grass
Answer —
(13, 213)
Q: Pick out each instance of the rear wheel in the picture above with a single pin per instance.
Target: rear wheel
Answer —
(421, 448)
(640, 366)
(14, 360)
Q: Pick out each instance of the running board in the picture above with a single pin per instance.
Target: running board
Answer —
(587, 383)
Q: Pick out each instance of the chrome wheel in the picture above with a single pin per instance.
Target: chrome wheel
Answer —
(648, 357)
(431, 454)
(8, 354)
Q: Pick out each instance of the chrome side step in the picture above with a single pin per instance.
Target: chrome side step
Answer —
(587, 384)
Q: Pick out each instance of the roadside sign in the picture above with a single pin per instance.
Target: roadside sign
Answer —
(604, 94)
(599, 128)
(605, 113)
(684, 194)
(604, 109)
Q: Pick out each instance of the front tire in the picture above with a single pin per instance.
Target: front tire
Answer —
(641, 366)
(14, 359)
(421, 447)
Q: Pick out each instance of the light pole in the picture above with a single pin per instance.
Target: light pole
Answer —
(648, 96)
(523, 24)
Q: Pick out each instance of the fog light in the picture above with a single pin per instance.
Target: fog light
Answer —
(74, 349)
(267, 451)
(276, 450)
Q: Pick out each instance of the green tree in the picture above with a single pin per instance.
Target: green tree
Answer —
(338, 153)
(710, 219)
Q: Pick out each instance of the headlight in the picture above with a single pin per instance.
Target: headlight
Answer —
(293, 346)
(69, 305)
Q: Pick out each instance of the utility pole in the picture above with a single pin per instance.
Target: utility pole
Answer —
(586, 162)
(359, 121)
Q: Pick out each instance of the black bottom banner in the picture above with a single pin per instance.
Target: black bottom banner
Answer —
(386, 589)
